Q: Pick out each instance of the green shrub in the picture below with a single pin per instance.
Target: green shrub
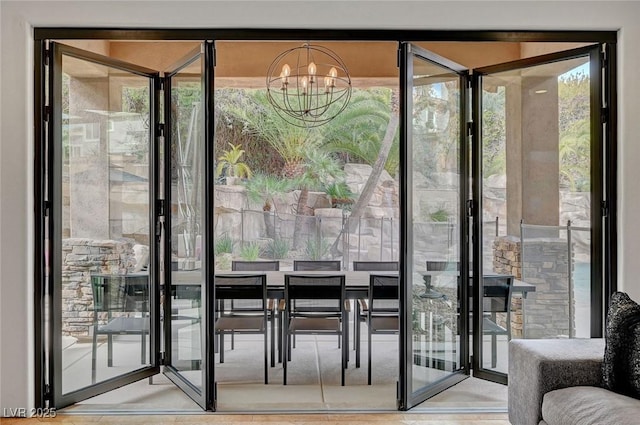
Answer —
(317, 249)
(223, 244)
(277, 248)
(250, 251)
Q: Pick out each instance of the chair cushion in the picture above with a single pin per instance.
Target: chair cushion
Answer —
(240, 323)
(589, 406)
(621, 366)
(314, 324)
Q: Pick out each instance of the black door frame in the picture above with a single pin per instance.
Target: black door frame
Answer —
(205, 395)
(598, 227)
(408, 397)
(53, 209)
(42, 192)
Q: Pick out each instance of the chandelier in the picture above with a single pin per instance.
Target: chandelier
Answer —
(308, 86)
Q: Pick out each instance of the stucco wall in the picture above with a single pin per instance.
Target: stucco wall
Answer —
(16, 109)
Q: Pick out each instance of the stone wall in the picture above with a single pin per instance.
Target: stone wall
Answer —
(545, 265)
(506, 260)
(80, 259)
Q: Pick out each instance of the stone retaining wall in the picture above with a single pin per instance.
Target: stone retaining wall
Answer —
(81, 258)
(545, 265)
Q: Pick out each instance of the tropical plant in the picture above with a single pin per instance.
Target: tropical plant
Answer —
(358, 131)
(339, 193)
(223, 244)
(277, 248)
(317, 249)
(229, 162)
(265, 188)
(250, 251)
(376, 170)
(260, 119)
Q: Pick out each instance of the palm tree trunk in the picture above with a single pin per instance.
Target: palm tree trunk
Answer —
(369, 187)
(301, 213)
(269, 224)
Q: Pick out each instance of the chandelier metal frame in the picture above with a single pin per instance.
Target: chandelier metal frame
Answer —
(308, 85)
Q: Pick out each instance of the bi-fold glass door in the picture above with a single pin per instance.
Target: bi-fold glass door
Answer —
(539, 178)
(434, 313)
(516, 166)
(104, 321)
(518, 170)
(185, 250)
(116, 250)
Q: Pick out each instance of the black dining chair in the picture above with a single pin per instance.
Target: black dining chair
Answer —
(383, 314)
(120, 307)
(320, 309)
(362, 304)
(251, 291)
(316, 265)
(496, 298)
(258, 266)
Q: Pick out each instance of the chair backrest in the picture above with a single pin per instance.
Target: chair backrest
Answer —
(497, 293)
(120, 293)
(255, 266)
(440, 266)
(375, 266)
(242, 287)
(384, 294)
(315, 292)
(308, 265)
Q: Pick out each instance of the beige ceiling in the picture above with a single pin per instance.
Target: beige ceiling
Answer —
(245, 63)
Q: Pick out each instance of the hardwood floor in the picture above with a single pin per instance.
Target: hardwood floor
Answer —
(292, 419)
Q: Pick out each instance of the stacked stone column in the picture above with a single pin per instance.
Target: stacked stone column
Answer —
(81, 258)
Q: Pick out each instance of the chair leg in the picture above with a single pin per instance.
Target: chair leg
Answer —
(345, 328)
(143, 348)
(345, 348)
(273, 339)
(369, 358)
(280, 338)
(266, 364)
(93, 353)
(357, 331)
(494, 348)
(110, 350)
(221, 336)
(285, 359)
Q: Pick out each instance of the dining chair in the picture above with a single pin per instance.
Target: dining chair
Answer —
(120, 307)
(383, 314)
(320, 310)
(496, 298)
(361, 304)
(258, 266)
(316, 265)
(251, 290)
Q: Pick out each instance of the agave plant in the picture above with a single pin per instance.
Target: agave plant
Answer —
(229, 162)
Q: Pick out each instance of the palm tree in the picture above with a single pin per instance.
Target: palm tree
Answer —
(266, 188)
(260, 119)
(298, 147)
(359, 130)
(386, 116)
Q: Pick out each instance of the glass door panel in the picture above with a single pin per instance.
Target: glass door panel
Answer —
(536, 144)
(184, 237)
(434, 101)
(104, 299)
